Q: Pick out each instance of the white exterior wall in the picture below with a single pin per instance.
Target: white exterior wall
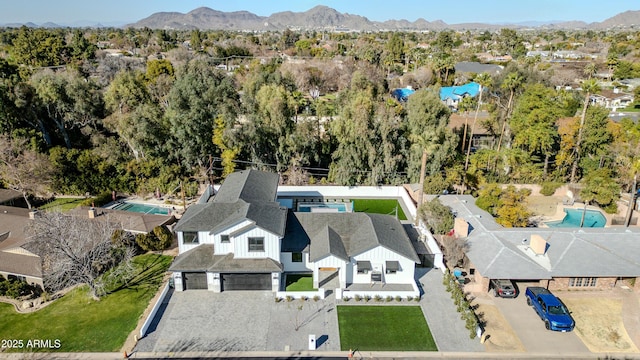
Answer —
(227, 248)
(203, 238)
(289, 266)
(371, 192)
(271, 245)
(378, 257)
(330, 262)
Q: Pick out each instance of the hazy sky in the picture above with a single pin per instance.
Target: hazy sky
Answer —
(451, 12)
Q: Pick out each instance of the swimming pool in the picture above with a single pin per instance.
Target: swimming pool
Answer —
(142, 208)
(572, 218)
(325, 207)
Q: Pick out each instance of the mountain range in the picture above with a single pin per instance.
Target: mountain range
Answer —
(323, 17)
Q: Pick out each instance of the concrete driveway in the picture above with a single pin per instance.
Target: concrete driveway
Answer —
(201, 320)
(530, 329)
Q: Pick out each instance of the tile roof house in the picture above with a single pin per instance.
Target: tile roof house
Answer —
(556, 258)
(242, 239)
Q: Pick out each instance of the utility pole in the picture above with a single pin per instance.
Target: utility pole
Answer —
(632, 202)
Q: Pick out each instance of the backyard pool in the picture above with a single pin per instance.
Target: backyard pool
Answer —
(325, 207)
(142, 208)
(572, 218)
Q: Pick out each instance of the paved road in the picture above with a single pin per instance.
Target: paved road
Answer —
(530, 329)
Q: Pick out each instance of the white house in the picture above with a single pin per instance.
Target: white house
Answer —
(242, 239)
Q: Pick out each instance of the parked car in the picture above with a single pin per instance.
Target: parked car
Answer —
(551, 310)
(503, 288)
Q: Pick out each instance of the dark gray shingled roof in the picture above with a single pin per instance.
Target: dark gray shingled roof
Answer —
(245, 195)
(201, 258)
(357, 233)
(249, 185)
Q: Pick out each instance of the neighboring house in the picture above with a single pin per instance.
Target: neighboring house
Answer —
(611, 99)
(474, 67)
(242, 239)
(18, 262)
(555, 258)
(482, 138)
(451, 95)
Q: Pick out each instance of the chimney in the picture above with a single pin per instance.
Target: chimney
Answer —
(538, 244)
(92, 213)
(32, 214)
(461, 227)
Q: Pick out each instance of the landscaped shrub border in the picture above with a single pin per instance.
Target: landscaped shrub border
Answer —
(463, 306)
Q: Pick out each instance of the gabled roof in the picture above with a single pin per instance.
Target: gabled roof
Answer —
(503, 253)
(251, 186)
(245, 195)
(13, 222)
(17, 262)
(348, 234)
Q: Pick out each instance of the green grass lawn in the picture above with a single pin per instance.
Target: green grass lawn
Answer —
(384, 328)
(83, 324)
(62, 204)
(299, 282)
(379, 206)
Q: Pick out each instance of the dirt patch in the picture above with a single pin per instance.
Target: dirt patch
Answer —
(500, 335)
(599, 324)
(543, 205)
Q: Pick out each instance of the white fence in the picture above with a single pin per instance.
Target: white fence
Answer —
(154, 311)
(341, 293)
(301, 294)
(369, 192)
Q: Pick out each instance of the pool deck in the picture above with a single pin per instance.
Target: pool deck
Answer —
(560, 214)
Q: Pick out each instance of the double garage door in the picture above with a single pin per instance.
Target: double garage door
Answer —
(246, 281)
(198, 281)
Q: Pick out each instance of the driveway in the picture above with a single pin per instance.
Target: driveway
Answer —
(200, 320)
(530, 329)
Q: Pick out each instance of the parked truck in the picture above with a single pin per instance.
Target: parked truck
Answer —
(550, 309)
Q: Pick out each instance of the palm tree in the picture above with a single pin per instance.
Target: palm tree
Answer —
(484, 80)
(589, 87)
(590, 70)
(465, 105)
(511, 83)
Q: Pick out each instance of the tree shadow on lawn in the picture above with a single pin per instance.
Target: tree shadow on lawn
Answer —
(145, 277)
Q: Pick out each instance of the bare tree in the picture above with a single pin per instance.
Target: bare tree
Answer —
(454, 249)
(77, 250)
(22, 169)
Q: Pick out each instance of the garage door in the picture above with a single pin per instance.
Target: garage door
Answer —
(246, 282)
(194, 280)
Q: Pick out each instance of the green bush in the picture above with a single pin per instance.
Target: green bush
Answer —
(100, 200)
(549, 188)
(159, 239)
(164, 236)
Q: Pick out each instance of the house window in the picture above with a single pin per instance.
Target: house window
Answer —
(392, 267)
(256, 244)
(224, 238)
(363, 267)
(296, 257)
(190, 238)
(583, 282)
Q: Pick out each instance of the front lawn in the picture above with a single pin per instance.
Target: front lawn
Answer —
(299, 282)
(83, 324)
(379, 206)
(384, 328)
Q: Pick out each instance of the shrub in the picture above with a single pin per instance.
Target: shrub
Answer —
(99, 200)
(346, 298)
(549, 188)
(367, 298)
(389, 298)
(159, 239)
(409, 298)
(398, 298)
(377, 298)
(316, 298)
(289, 298)
(357, 297)
(277, 299)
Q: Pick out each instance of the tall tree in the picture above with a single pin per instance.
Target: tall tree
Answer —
(589, 87)
(484, 80)
(429, 135)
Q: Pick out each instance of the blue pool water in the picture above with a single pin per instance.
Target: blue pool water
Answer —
(592, 218)
(142, 208)
(341, 207)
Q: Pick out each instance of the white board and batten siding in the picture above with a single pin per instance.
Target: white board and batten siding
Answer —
(290, 266)
(378, 257)
(221, 248)
(203, 238)
(271, 244)
(330, 262)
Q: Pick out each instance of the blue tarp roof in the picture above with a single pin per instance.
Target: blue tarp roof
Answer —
(457, 92)
(402, 94)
